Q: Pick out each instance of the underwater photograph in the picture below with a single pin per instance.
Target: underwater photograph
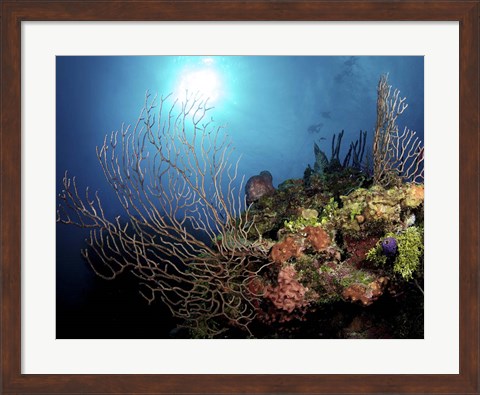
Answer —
(240, 197)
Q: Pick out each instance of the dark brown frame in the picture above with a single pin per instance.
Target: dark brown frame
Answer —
(13, 12)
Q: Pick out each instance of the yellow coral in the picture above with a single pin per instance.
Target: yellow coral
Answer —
(414, 195)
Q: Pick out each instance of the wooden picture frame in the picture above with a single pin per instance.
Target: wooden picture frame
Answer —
(14, 12)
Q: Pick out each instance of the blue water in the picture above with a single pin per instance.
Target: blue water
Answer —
(267, 103)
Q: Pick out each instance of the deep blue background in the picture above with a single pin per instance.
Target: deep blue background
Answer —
(268, 104)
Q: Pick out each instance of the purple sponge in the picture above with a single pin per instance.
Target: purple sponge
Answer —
(389, 246)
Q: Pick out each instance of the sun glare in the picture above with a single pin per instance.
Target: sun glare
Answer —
(205, 82)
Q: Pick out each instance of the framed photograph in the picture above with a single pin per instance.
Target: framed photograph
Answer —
(220, 197)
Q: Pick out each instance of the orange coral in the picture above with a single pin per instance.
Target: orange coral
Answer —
(289, 294)
(414, 195)
(293, 246)
(317, 237)
(417, 191)
(290, 247)
(366, 294)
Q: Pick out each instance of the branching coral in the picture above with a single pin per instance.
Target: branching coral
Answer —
(173, 175)
(218, 259)
(397, 155)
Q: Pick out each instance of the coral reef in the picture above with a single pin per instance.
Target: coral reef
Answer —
(308, 217)
(350, 233)
(288, 294)
(389, 246)
(338, 241)
(414, 196)
(358, 248)
(365, 293)
(378, 210)
(407, 257)
(336, 253)
(290, 247)
(398, 156)
(317, 238)
(410, 251)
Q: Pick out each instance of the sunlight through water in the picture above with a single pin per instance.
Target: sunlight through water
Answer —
(205, 82)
